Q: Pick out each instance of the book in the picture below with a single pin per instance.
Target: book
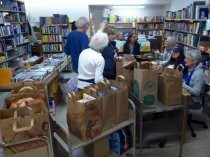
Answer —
(203, 12)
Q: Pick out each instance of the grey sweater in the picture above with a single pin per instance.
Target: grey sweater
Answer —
(196, 86)
(166, 56)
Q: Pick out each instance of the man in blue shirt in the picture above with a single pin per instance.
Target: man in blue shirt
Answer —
(77, 41)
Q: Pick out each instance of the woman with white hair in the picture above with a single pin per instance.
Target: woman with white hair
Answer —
(169, 44)
(193, 79)
(91, 62)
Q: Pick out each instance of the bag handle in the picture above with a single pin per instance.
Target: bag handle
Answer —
(120, 78)
(30, 88)
(136, 65)
(30, 111)
(28, 80)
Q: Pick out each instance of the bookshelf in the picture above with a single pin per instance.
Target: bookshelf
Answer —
(150, 26)
(187, 25)
(124, 28)
(14, 34)
(54, 31)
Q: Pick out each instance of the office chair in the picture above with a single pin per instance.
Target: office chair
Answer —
(200, 115)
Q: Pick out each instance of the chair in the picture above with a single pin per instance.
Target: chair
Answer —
(201, 115)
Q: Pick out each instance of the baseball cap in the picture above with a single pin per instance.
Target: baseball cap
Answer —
(178, 49)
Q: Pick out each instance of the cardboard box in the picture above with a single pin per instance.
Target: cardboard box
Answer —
(99, 148)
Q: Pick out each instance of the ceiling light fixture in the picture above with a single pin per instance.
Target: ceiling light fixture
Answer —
(128, 6)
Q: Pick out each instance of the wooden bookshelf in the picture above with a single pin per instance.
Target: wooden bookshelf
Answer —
(150, 28)
(14, 35)
(188, 25)
(54, 31)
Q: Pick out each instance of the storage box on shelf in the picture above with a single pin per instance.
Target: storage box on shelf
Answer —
(14, 38)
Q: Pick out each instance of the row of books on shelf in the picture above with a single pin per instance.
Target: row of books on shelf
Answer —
(52, 38)
(195, 27)
(53, 48)
(20, 40)
(6, 30)
(151, 33)
(197, 10)
(187, 39)
(11, 17)
(17, 6)
(12, 29)
(23, 49)
(151, 19)
(8, 44)
(65, 32)
(125, 19)
(150, 26)
(51, 30)
(56, 19)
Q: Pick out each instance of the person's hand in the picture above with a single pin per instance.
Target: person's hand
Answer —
(156, 51)
(102, 26)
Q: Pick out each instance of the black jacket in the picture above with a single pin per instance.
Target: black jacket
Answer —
(136, 49)
(110, 64)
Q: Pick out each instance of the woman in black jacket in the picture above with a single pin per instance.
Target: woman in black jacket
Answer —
(131, 46)
(177, 59)
(110, 53)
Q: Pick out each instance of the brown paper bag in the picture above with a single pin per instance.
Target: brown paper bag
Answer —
(24, 123)
(94, 149)
(145, 82)
(121, 91)
(119, 67)
(103, 92)
(29, 92)
(170, 86)
(38, 87)
(84, 117)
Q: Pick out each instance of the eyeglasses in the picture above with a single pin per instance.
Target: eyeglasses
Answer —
(188, 58)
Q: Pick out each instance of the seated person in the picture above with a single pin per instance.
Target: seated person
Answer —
(194, 78)
(131, 46)
(169, 44)
(91, 61)
(177, 59)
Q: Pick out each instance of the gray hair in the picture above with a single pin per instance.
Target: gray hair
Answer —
(82, 22)
(172, 41)
(194, 54)
(99, 41)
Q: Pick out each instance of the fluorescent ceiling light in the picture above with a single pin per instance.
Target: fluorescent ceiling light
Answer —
(128, 6)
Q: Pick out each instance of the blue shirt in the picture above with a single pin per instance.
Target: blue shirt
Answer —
(76, 43)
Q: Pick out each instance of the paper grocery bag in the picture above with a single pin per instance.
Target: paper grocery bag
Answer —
(145, 82)
(170, 86)
(107, 96)
(24, 123)
(84, 115)
(119, 67)
(121, 91)
(26, 96)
